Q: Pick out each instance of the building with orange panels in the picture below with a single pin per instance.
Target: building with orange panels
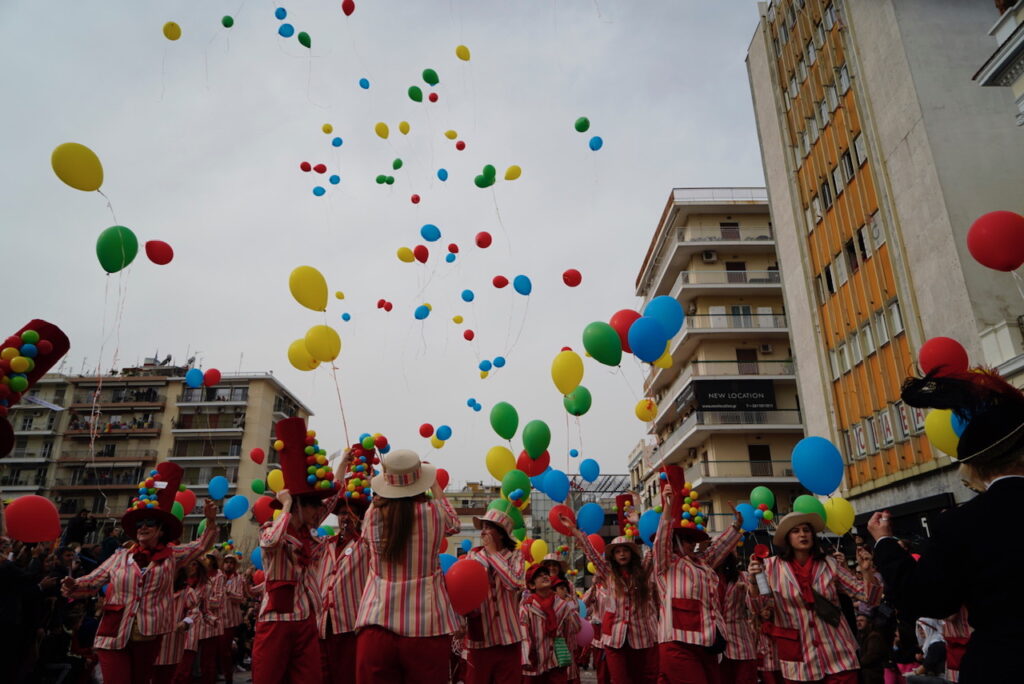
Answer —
(878, 153)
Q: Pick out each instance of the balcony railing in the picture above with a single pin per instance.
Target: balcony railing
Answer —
(724, 233)
(748, 468)
(113, 430)
(22, 480)
(172, 454)
(84, 455)
(784, 417)
(725, 321)
(718, 277)
(118, 398)
(187, 398)
(34, 428)
(23, 454)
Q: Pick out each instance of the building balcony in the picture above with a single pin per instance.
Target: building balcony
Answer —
(207, 432)
(63, 484)
(222, 456)
(107, 431)
(99, 456)
(35, 431)
(744, 473)
(692, 284)
(700, 425)
(189, 400)
(21, 482)
(142, 400)
(24, 456)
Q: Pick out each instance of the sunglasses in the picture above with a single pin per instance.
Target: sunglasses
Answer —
(148, 522)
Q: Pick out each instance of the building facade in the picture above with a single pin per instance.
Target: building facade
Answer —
(874, 177)
(1005, 67)
(729, 409)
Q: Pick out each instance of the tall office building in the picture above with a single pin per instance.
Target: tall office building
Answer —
(729, 410)
(879, 152)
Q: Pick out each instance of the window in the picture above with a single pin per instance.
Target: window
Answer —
(844, 79)
(809, 53)
(839, 264)
(881, 330)
(864, 243)
(831, 97)
(851, 256)
(805, 142)
(816, 203)
(837, 180)
(860, 148)
(855, 350)
(792, 86)
(47, 450)
(896, 317)
(846, 162)
(844, 358)
(790, 16)
(821, 289)
(877, 234)
(826, 195)
(26, 423)
(860, 440)
(829, 17)
(812, 124)
(834, 362)
(801, 70)
(823, 113)
(788, 99)
(867, 341)
(778, 49)
(829, 283)
(819, 35)
(783, 33)
(902, 421)
(809, 218)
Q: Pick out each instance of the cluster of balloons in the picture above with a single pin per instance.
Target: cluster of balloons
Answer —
(148, 492)
(384, 304)
(582, 125)
(762, 500)
(554, 483)
(286, 30)
(361, 469)
(521, 284)
(646, 336)
(690, 515)
(18, 356)
(487, 365)
(437, 437)
(196, 378)
(321, 344)
(333, 179)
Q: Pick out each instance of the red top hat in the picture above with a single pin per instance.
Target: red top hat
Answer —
(677, 481)
(26, 356)
(304, 475)
(155, 500)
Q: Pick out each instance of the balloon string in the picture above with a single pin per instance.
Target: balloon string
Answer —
(341, 405)
(522, 326)
(497, 211)
(626, 380)
(109, 205)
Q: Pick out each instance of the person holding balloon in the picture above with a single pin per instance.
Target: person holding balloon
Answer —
(550, 624)
(139, 603)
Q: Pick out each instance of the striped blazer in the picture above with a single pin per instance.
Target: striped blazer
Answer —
(498, 622)
(173, 643)
(285, 576)
(211, 599)
(343, 574)
(203, 624)
(538, 647)
(139, 596)
(738, 621)
(234, 597)
(410, 598)
(809, 648)
(688, 588)
(594, 601)
(623, 624)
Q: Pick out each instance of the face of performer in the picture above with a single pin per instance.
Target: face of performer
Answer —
(192, 569)
(147, 532)
(562, 590)
(622, 555)
(230, 565)
(553, 567)
(492, 533)
(541, 583)
(801, 538)
(311, 509)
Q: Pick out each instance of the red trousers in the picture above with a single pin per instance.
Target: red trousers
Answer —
(770, 676)
(286, 652)
(131, 665)
(681, 663)
(601, 666)
(626, 665)
(164, 674)
(495, 665)
(559, 675)
(227, 661)
(209, 659)
(338, 658)
(847, 677)
(183, 671)
(739, 671)
(383, 656)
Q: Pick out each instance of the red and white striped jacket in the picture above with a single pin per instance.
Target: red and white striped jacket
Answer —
(139, 596)
(955, 627)
(737, 620)
(291, 592)
(410, 598)
(594, 600)
(213, 625)
(173, 643)
(234, 597)
(343, 574)
(808, 647)
(688, 588)
(203, 624)
(498, 621)
(538, 647)
(619, 617)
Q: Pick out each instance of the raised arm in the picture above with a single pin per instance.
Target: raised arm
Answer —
(449, 516)
(724, 544)
(509, 568)
(861, 586)
(273, 534)
(185, 553)
(600, 564)
(663, 537)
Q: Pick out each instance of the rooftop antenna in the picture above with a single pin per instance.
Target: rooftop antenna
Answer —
(241, 355)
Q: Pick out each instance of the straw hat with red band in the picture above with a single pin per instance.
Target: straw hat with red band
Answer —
(404, 475)
(628, 542)
(294, 463)
(161, 489)
(499, 518)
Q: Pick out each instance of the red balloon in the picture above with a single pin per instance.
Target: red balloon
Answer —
(621, 322)
(468, 585)
(187, 499)
(572, 277)
(943, 355)
(443, 547)
(442, 478)
(556, 523)
(469, 335)
(597, 542)
(453, 248)
(500, 281)
(257, 455)
(33, 518)
(461, 145)
(306, 166)
(415, 199)
(525, 548)
(533, 466)
(348, 7)
(426, 430)
(432, 97)
(320, 168)
(996, 240)
(261, 510)
(380, 441)
(159, 252)
(483, 239)
(211, 378)
(421, 253)
(258, 577)
(380, 303)
(388, 306)
(44, 347)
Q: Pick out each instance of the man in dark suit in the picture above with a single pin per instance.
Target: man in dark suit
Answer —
(972, 558)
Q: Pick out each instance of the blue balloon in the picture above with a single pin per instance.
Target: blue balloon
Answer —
(447, 561)
(194, 378)
(256, 558)
(286, 30)
(581, 607)
(596, 143)
(648, 526)
(29, 350)
(538, 480)
(556, 485)
(749, 518)
(363, 436)
(319, 191)
(337, 142)
(959, 424)
(442, 174)
(477, 407)
(647, 339)
(386, 448)
(818, 465)
(468, 296)
(236, 507)
(449, 258)
(364, 83)
(471, 402)
(574, 453)
(485, 365)
(589, 470)
(280, 13)
(430, 232)
(499, 361)
(322, 531)
(421, 312)
(590, 518)
(444, 433)
(668, 311)
(466, 545)
(522, 285)
(335, 179)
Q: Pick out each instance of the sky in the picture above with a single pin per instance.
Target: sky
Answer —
(201, 141)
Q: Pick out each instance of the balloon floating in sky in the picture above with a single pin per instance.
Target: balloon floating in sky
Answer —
(304, 39)
(381, 129)
(442, 174)
(319, 191)
(449, 258)
(78, 166)
(430, 77)
(159, 252)
(172, 31)
(280, 13)
(364, 83)
(596, 143)
(227, 21)
(327, 128)
(308, 287)
(462, 52)
(522, 285)
(421, 253)
(467, 295)
(572, 277)
(483, 240)
(286, 30)
(348, 7)
(116, 248)
(582, 124)
(430, 232)
(460, 145)
(499, 281)
(335, 179)
(513, 172)
(415, 94)
(403, 127)
(421, 312)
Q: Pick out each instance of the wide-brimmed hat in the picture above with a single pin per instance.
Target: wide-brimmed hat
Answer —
(296, 463)
(691, 534)
(621, 540)
(791, 520)
(404, 475)
(557, 558)
(499, 518)
(160, 489)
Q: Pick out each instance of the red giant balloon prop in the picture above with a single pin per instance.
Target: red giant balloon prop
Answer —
(996, 240)
(943, 355)
(32, 519)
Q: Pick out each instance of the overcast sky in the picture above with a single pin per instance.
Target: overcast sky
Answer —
(201, 141)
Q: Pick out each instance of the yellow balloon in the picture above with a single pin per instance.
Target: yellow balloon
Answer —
(172, 31)
(278, 445)
(513, 172)
(462, 52)
(276, 514)
(590, 568)
(427, 304)
(500, 462)
(9, 353)
(309, 288)
(665, 360)
(327, 128)
(538, 549)
(435, 442)
(299, 356)
(567, 371)
(838, 515)
(938, 425)
(339, 294)
(323, 343)
(78, 166)
(646, 410)
(483, 374)
(451, 135)
(405, 255)
(403, 126)
(275, 479)
(381, 129)
(457, 320)
(20, 364)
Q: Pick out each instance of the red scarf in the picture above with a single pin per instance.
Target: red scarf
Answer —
(192, 581)
(548, 606)
(805, 577)
(144, 556)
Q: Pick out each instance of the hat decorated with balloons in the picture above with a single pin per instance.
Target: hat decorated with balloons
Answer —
(155, 500)
(303, 462)
(686, 516)
(356, 490)
(25, 357)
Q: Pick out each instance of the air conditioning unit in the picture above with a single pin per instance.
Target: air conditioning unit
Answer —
(693, 452)
(709, 256)
(766, 349)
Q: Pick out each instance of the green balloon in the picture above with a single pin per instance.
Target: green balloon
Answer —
(430, 76)
(304, 40)
(178, 510)
(578, 401)
(367, 442)
(536, 438)
(259, 486)
(603, 343)
(504, 419)
(490, 171)
(329, 530)
(227, 21)
(397, 164)
(509, 509)
(519, 533)
(116, 248)
(762, 495)
(582, 124)
(513, 480)
(390, 180)
(483, 181)
(202, 527)
(415, 94)
(805, 503)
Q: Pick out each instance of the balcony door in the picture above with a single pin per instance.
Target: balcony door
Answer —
(760, 456)
(736, 271)
(746, 361)
(730, 230)
(742, 316)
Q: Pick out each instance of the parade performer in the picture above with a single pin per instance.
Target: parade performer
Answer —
(967, 561)
(204, 623)
(594, 600)
(231, 614)
(556, 565)
(814, 640)
(550, 624)
(172, 646)
(406, 619)
(689, 637)
(139, 604)
(957, 633)
(739, 662)
(211, 629)
(494, 634)
(286, 647)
